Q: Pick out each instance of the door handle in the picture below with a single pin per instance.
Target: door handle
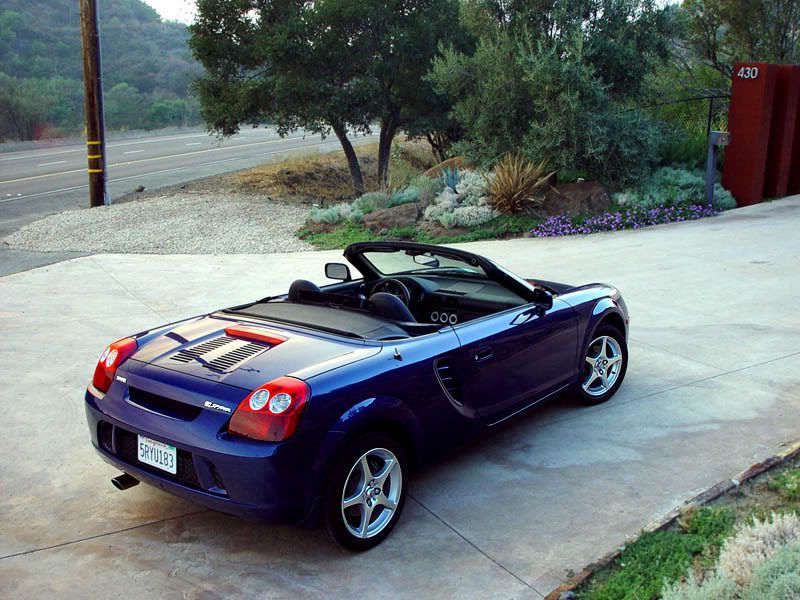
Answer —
(482, 354)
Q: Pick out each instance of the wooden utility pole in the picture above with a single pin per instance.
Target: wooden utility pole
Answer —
(93, 103)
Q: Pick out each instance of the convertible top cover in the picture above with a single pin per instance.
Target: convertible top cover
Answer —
(351, 323)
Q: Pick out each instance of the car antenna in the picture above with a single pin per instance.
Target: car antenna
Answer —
(397, 355)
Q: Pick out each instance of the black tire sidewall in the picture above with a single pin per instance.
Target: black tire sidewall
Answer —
(331, 501)
(610, 331)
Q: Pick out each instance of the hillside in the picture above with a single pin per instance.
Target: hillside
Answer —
(147, 67)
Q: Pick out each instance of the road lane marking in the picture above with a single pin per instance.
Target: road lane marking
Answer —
(119, 144)
(58, 162)
(133, 151)
(195, 144)
(128, 177)
(133, 162)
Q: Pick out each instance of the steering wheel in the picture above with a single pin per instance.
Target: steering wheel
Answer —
(395, 287)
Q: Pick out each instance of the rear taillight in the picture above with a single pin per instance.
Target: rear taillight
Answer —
(111, 358)
(272, 412)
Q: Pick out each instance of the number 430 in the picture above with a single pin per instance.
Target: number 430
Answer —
(748, 72)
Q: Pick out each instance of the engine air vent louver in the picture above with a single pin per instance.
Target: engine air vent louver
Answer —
(446, 374)
(220, 354)
(189, 354)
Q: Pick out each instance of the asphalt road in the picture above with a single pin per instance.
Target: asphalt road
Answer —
(36, 183)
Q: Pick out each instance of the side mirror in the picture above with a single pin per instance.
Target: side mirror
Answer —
(542, 298)
(337, 271)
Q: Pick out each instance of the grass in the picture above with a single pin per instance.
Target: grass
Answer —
(694, 542)
(640, 571)
(787, 484)
(349, 233)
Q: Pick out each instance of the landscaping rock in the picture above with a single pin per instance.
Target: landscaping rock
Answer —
(582, 197)
(404, 215)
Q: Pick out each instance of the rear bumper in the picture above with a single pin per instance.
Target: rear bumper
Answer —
(248, 479)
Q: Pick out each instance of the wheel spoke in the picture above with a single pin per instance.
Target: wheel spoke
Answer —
(591, 361)
(381, 476)
(353, 500)
(604, 379)
(366, 517)
(588, 383)
(387, 502)
(366, 469)
(612, 361)
(604, 349)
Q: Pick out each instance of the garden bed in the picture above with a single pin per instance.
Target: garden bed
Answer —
(721, 545)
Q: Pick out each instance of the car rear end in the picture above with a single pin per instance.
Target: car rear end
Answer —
(230, 435)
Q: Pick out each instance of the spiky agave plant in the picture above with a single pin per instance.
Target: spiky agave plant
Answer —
(515, 183)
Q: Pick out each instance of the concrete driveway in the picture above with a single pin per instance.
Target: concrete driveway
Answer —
(713, 385)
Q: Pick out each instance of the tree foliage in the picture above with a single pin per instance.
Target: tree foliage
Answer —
(723, 32)
(556, 81)
(331, 65)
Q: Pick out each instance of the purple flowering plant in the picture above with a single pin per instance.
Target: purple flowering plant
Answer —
(634, 217)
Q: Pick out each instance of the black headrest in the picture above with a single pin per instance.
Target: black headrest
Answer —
(301, 285)
(390, 307)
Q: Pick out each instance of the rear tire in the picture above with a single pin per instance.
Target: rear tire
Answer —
(604, 365)
(366, 492)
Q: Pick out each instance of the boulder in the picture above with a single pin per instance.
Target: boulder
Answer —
(404, 215)
(581, 197)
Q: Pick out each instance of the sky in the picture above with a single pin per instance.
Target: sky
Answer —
(174, 10)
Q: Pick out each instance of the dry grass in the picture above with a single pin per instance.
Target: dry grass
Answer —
(311, 177)
(325, 178)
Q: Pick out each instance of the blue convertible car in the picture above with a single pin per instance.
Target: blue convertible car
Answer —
(316, 405)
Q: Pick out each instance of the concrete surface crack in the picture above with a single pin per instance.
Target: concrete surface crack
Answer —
(475, 546)
(101, 535)
(124, 287)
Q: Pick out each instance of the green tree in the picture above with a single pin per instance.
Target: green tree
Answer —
(558, 80)
(124, 106)
(24, 106)
(723, 32)
(331, 65)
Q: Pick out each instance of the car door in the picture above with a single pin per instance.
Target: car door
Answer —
(514, 358)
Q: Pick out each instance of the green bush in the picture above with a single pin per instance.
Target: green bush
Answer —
(371, 201)
(405, 195)
(674, 187)
(778, 578)
(646, 563)
(428, 188)
(787, 484)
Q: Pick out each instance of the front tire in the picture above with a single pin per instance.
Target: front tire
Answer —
(604, 366)
(366, 492)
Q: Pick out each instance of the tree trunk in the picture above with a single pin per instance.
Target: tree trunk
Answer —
(388, 131)
(352, 159)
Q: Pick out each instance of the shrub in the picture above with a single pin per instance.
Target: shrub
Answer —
(778, 578)
(472, 188)
(713, 587)
(671, 187)
(404, 196)
(755, 543)
(427, 188)
(330, 215)
(787, 484)
(371, 201)
(647, 562)
(515, 183)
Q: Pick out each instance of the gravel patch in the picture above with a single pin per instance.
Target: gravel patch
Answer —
(183, 223)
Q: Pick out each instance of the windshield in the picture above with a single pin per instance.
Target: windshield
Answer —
(399, 262)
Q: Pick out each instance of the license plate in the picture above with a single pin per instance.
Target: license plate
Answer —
(158, 454)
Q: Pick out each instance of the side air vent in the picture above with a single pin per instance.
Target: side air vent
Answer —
(220, 354)
(445, 373)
